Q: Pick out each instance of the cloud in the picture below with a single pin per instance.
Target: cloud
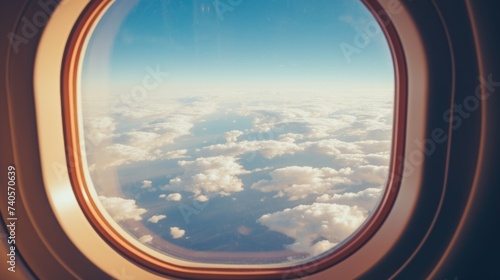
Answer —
(352, 118)
(98, 130)
(365, 199)
(177, 232)
(161, 106)
(299, 182)
(332, 147)
(370, 128)
(350, 136)
(174, 197)
(267, 148)
(268, 116)
(232, 136)
(381, 159)
(315, 228)
(156, 218)
(310, 120)
(290, 137)
(366, 152)
(374, 146)
(171, 128)
(139, 138)
(146, 184)
(315, 128)
(120, 154)
(122, 209)
(371, 174)
(146, 238)
(202, 198)
(177, 154)
(152, 127)
(208, 176)
(149, 144)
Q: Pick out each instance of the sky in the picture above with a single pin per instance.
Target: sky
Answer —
(246, 133)
(257, 44)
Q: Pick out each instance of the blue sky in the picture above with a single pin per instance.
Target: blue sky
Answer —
(258, 44)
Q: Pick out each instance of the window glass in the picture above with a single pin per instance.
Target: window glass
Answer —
(238, 131)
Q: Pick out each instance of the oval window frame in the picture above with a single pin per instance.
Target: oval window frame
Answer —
(94, 212)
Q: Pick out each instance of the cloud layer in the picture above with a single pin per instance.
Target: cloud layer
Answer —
(122, 209)
(299, 182)
(315, 228)
(328, 157)
(208, 176)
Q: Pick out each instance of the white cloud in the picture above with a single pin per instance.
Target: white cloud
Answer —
(312, 249)
(176, 154)
(148, 145)
(351, 117)
(352, 133)
(370, 173)
(174, 197)
(366, 198)
(290, 137)
(314, 128)
(269, 114)
(172, 128)
(381, 159)
(98, 130)
(298, 182)
(119, 154)
(332, 147)
(267, 148)
(315, 228)
(146, 238)
(374, 146)
(146, 184)
(122, 209)
(177, 232)
(156, 218)
(155, 124)
(139, 138)
(372, 128)
(232, 136)
(373, 152)
(202, 198)
(206, 176)
(310, 120)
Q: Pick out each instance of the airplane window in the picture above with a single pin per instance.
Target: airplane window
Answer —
(235, 132)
